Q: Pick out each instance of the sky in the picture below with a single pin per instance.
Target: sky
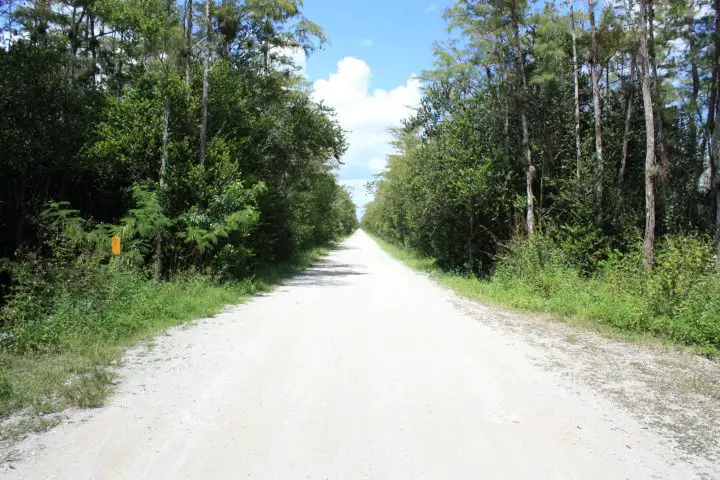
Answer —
(367, 72)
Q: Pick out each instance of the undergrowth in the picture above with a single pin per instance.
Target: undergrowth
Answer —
(60, 337)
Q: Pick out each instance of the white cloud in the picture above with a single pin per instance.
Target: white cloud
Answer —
(296, 55)
(367, 43)
(377, 164)
(431, 8)
(299, 58)
(366, 115)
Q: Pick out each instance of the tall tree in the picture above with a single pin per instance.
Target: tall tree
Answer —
(166, 62)
(162, 174)
(664, 148)
(206, 82)
(629, 102)
(715, 157)
(576, 84)
(596, 105)
(527, 155)
(650, 163)
(188, 40)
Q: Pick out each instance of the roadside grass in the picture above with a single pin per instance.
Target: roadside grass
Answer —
(80, 370)
(594, 304)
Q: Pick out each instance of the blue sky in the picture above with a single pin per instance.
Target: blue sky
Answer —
(394, 37)
(366, 72)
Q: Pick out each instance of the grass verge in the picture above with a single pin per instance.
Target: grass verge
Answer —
(593, 304)
(80, 371)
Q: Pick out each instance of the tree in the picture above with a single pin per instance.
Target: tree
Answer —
(714, 126)
(576, 84)
(100, 111)
(527, 155)
(205, 84)
(650, 164)
(498, 135)
(628, 117)
(657, 100)
(188, 40)
(596, 105)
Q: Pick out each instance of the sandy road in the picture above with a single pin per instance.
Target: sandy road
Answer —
(358, 369)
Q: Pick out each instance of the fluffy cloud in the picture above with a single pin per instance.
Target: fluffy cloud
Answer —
(366, 115)
(377, 164)
(295, 55)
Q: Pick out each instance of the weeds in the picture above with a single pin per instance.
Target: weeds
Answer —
(70, 361)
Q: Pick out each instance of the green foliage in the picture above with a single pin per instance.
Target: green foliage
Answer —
(677, 300)
(60, 355)
(57, 285)
(102, 103)
(143, 223)
(456, 189)
(683, 292)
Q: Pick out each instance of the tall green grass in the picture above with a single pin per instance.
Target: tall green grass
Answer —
(678, 302)
(60, 341)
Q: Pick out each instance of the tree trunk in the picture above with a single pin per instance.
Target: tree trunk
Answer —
(471, 234)
(86, 31)
(527, 155)
(714, 150)
(715, 187)
(659, 120)
(650, 166)
(93, 46)
(695, 76)
(120, 66)
(712, 102)
(717, 219)
(206, 70)
(628, 119)
(161, 180)
(188, 40)
(577, 92)
(596, 104)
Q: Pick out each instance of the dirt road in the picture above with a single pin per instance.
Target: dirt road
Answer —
(363, 369)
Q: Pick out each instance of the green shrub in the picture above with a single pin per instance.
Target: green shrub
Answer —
(679, 299)
(66, 279)
(683, 291)
(682, 262)
(539, 264)
(6, 389)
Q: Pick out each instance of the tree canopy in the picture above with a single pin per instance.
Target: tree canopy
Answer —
(185, 128)
(594, 126)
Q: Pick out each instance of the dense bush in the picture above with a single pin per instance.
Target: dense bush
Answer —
(678, 300)
(70, 287)
(519, 168)
(106, 130)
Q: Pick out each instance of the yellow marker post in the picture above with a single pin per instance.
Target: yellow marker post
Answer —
(116, 245)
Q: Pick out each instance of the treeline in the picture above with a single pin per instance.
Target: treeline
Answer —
(184, 129)
(593, 133)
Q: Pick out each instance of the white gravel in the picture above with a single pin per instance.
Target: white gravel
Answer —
(363, 369)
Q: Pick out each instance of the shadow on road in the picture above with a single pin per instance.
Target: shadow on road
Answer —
(327, 272)
(342, 247)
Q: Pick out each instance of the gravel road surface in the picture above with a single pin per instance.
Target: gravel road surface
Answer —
(363, 369)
